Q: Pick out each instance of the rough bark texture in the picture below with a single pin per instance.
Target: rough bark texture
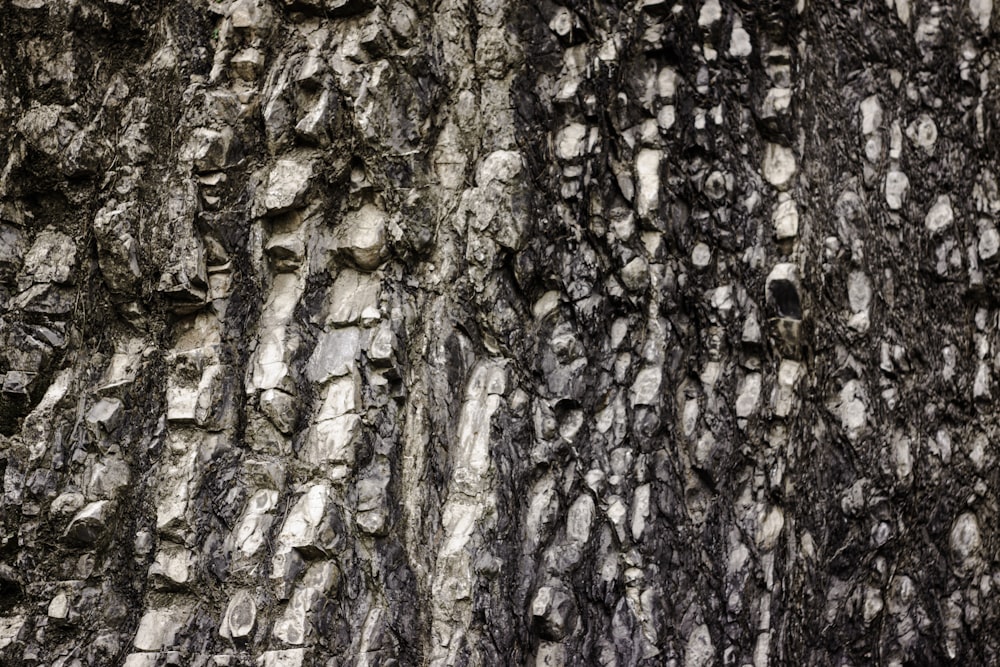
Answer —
(483, 332)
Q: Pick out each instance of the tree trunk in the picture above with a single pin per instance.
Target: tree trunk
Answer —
(498, 332)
